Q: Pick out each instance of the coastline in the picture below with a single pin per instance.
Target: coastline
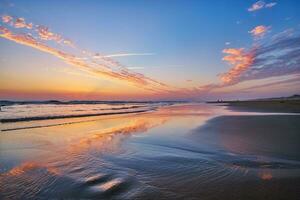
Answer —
(275, 106)
(265, 135)
(201, 150)
(68, 116)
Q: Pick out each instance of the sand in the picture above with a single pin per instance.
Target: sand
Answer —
(277, 106)
(178, 152)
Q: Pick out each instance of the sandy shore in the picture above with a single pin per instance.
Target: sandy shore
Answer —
(279, 106)
(266, 135)
(193, 151)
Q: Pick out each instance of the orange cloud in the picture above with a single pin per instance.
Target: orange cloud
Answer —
(240, 61)
(95, 64)
(107, 68)
(259, 31)
(20, 23)
(257, 63)
(45, 34)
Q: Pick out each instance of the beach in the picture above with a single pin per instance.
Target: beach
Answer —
(150, 100)
(277, 106)
(168, 151)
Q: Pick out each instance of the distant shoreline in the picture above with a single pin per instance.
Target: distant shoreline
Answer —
(57, 102)
(267, 105)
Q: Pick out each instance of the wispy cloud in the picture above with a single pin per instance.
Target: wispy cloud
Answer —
(16, 23)
(6, 19)
(270, 5)
(280, 56)
(293, 80)
(101, 67)
(20, 23)
(259, 31)
(257, 6)
(43, 32)
(260, 5)
(276, 57)
(133, 68)
(240, 60)
(128, 54)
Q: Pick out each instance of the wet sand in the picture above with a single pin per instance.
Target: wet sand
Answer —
(266, 135)
(275, 106)
(195, 151)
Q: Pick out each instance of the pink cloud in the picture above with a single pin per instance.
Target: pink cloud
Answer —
(20, 23)
(260, 5)
(257, 6)
(240, 60)
(6, 19)
(45, 34)
(104, 69)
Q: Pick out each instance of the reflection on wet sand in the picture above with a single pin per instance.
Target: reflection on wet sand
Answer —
(265, 175)
(30, 166)
(65, 160)
(102, 140)
(166, 154)
(109, 139)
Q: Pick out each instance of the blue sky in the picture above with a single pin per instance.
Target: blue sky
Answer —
(184, 39)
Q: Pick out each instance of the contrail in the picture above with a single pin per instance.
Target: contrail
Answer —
(128, 54)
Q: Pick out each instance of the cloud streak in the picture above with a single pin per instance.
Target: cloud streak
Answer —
(43, 32)
(16, 23)
(292, 80)
(270, 5)
(128, 54)
(278, 57)
(100, 67)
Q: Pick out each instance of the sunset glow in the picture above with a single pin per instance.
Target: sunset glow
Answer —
(104, 54)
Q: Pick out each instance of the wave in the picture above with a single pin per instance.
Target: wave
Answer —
(43, 126)
(34, 118)
(122, 108)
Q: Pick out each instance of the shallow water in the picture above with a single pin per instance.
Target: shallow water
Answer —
(44, 111)
(175, 152)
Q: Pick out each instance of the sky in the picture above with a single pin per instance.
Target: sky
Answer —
(149, 50)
